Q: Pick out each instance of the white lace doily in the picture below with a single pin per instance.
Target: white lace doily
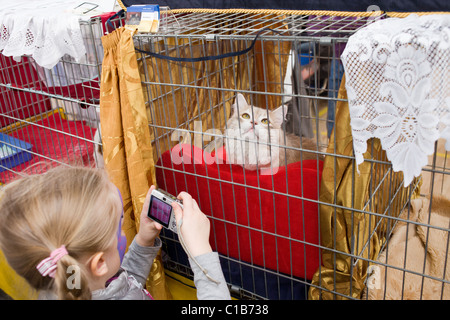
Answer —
(45, 30)
(398, 87)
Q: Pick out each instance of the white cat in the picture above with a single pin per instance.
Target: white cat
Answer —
(255, 138)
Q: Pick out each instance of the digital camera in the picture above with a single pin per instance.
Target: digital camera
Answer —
(161, 211)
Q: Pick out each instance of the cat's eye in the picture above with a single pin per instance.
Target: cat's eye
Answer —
(265, 121)
(246, 116)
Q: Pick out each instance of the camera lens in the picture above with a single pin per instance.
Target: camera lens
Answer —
(164, 198)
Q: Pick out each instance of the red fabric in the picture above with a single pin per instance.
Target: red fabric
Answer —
(251, 222)
(106, 27)
(60, 146)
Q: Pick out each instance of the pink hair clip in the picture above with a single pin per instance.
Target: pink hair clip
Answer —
(47, 267)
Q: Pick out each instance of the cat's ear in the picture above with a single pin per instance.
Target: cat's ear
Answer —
(278, 115)
(240, 103)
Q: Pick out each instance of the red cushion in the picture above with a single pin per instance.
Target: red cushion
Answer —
(251, 221)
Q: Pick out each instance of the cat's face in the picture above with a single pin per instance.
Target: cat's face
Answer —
(253, 122)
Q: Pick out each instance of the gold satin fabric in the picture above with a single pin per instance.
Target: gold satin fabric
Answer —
(351, 237)
(127, 148)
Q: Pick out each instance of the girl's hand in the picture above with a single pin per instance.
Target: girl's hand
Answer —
(195, 228)
(148, 229)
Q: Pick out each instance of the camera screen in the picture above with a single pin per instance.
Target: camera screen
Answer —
(160, 211)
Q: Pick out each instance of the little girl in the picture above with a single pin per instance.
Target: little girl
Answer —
(59, 230)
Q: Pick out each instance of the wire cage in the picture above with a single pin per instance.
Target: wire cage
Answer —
(50, 117)
(290, 221)
(274, 226)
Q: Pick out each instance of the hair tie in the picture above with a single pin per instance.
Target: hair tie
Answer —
(47, 267)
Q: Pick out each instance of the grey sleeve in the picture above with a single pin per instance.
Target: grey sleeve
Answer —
(138, 260)
(207, 289)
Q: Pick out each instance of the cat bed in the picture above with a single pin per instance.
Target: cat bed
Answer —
(56, 139)
(253, 220)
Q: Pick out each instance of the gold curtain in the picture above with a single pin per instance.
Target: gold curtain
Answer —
(350, 237)
(127, 148)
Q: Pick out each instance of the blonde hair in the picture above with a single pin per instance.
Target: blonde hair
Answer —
(72, 206)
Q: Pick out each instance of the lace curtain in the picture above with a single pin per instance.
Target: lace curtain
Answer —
(46, 30)
(399, 90)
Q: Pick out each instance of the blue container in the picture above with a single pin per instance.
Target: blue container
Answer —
(13, 152)
(306, 55)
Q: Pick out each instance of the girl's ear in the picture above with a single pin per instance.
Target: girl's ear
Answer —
(98, 265)
(278, 115)
(239, 104)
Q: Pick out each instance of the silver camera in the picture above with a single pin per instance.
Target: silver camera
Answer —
(161, 211)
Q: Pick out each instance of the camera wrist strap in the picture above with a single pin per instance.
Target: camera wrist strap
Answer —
(183, 244)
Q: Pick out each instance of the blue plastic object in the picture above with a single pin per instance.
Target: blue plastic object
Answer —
(13, 152)
(306, 55)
